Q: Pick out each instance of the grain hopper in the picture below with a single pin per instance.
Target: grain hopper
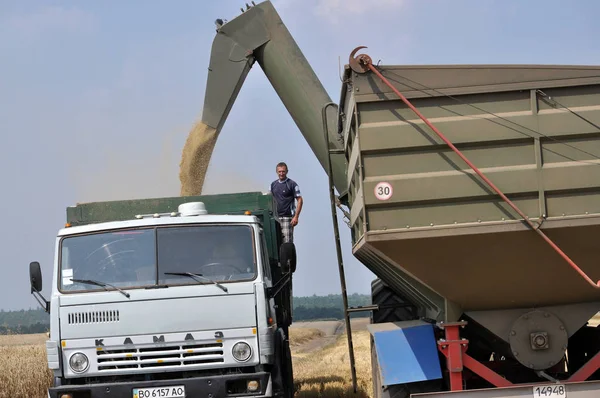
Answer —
(443, 241)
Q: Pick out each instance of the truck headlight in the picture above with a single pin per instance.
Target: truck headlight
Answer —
(79, 362)
(241, 351)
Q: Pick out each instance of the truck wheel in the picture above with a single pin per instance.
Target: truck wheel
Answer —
(287, 256)
(284, 375)
(399, 390)
(382, 295)
(288, 371)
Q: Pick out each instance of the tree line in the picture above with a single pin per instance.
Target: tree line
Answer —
(308, 308)
(330, 307)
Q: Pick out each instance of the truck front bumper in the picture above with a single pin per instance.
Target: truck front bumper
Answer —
(209, 386)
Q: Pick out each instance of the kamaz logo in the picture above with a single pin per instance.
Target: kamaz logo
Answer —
(156, 339)
(160, 339)
(218, 335)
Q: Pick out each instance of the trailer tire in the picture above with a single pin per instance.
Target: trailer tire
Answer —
(382, 295)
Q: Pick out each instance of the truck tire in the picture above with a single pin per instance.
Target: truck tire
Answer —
(288, 257)
(284, 372)
(382, 295)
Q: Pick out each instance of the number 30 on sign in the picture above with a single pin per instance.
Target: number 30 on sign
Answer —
(383, 191)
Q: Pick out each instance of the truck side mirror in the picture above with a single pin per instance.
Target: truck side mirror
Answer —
(287, 257)
(35, 276)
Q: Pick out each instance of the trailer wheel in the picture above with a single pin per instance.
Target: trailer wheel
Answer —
(399, 390)
(382, 295)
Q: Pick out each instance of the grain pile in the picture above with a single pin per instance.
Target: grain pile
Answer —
(195, 158)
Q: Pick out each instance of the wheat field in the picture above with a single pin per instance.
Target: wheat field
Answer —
(323, 373)
(326, 372)
(320, 373)
(23, 368)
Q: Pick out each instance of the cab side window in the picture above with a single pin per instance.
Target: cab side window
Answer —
(265, 257)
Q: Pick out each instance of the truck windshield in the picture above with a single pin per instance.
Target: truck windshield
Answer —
(148, 257)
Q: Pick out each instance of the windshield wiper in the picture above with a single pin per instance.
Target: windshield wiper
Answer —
(192, 275)
(97, 283)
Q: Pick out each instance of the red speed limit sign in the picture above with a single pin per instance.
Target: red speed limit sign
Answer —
(383, 191)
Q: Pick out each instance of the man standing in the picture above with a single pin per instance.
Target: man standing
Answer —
(286, 192)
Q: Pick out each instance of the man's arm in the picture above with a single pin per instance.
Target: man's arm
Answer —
(299, 209)
(300, 201)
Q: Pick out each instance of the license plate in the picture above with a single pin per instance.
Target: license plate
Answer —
(550, 391)
(159, 392)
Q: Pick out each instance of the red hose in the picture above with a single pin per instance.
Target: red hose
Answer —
(364, 60)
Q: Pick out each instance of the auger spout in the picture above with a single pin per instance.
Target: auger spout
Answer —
(259, 34)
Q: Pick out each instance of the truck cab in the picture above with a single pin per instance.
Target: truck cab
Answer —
(177, 304)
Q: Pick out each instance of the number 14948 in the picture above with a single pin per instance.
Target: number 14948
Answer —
(550, 391)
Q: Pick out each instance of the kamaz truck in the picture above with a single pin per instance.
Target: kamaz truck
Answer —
(170, 297)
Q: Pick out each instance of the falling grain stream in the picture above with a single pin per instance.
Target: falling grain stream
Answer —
(195, 158)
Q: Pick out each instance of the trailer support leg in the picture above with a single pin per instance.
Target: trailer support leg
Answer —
(454, 349)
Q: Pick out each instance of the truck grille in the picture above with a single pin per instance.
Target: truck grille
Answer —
(156, 357)
(77, 318)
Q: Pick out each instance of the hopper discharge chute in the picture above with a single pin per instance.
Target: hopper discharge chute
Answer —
(259, 35)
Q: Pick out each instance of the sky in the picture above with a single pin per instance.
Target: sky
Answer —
(97, 99)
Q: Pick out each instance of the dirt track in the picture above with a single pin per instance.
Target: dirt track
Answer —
(331, 329)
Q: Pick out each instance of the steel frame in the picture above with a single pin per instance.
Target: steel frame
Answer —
(454, 348)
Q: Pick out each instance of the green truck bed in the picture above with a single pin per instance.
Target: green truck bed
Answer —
(259, 204)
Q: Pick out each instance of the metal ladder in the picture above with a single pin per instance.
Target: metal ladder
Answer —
(338, 247)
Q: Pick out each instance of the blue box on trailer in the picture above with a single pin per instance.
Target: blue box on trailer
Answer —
(406, 352)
